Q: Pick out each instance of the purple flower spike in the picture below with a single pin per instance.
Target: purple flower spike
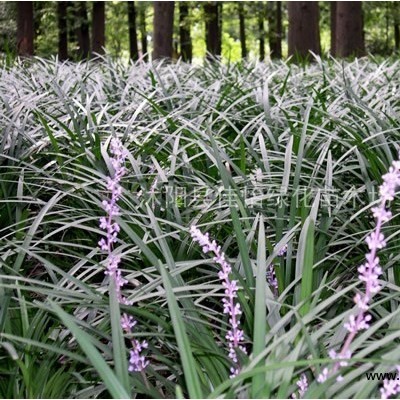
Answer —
(137, 362)
(231, 307)
(369, 274)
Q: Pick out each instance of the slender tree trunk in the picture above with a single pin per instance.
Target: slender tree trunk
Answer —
(133, 46)
(212, 13)
(98, 27)
(303, 28)
(349, 29)
(62, 30)
(143, 30)
(242, 29)
(279, 30)
(25, 31)
(82, 30)
(163, 29)
(275, 29)
(261, 32)
(333, 28)
(396, 26)
(184, 32)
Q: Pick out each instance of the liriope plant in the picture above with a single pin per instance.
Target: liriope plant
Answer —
(202, 130)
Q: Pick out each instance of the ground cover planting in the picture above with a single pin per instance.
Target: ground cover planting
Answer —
(217, 231)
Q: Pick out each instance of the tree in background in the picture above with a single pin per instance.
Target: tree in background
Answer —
(25, 31)
(213, 24)
(62, 30)
(396, 25)
(245, 32)
(242, 29)
(163, 29)
(275, 33)
(303, 28)
(82, 30)
(143, 30)
(261, 31)
(98, 28)
(184, 32)
(333, 28)
(349, 29)
(133, 46)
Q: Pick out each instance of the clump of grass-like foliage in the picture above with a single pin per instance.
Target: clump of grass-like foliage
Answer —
(261, 156)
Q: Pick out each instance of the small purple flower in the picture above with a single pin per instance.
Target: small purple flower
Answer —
(235, 335)
(281, 253)
(391, 387)
(271, 275)
(302, 385)
(323, 376)
(137, 362)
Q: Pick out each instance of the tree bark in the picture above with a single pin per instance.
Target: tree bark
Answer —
(143, 30)
(98, 28)
(184, 32)
(261, 33)
(275, 29)
(349, 29)
(212, 14)
(242, 29)
(25, 31)
(396, 26)
(333, 28)
(133, 45)
(279, 30)
(163, 29)
(82, 30)
(303, 28)
(62, 30)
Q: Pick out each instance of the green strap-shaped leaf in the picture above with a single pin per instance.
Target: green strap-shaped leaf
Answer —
(185, 351)
(113, 385)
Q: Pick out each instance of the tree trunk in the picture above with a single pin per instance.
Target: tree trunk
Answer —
(303, 28)
(133, 46)
(184, 32)
(82, 30)
(143, 30)
(242, 30)
(98, 27)
(275, 29)
(62, 30)
(349, 29)
(396, 26)
(261, 33)
(333, 28)
(25, 31)
(279, 31)
(212, 14)
(163, 29)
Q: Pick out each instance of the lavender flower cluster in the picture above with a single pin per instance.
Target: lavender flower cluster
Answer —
(302, 385)
(369, 274)
(231, 307)
(137, 362)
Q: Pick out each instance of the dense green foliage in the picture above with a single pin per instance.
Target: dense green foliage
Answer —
(235, 149)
